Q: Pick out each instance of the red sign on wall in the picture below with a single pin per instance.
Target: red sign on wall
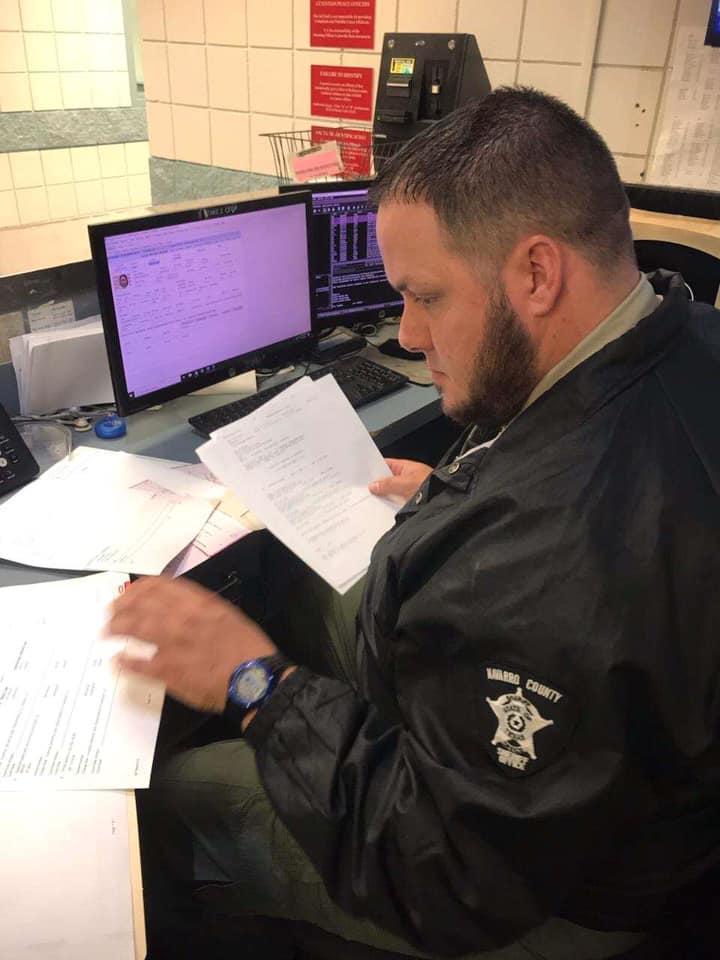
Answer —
(342, 23)
(341, 92)
(355, 147)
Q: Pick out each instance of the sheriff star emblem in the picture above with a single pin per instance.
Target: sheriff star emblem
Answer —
(518, 722)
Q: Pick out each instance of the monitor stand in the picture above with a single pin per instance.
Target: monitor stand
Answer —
(242, 385)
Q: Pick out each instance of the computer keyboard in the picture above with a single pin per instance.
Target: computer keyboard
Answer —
(359, 379)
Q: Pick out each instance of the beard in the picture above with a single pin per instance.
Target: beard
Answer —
(504, 371)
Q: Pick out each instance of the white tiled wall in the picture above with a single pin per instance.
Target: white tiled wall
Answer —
(246, 65)
(62, 54)
(38, 185)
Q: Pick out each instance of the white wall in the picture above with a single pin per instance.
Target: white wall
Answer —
(62, 54)
(38, 185)
(219, 73)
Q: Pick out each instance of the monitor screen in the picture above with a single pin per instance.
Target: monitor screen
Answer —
(712, 37)
(350, 282)
(192, 298)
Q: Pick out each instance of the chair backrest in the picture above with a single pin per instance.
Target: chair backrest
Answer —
(700, 270)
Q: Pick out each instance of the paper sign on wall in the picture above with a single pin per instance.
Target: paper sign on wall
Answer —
(687, 152)
(341, 92)
(355, 147)
(342, 23)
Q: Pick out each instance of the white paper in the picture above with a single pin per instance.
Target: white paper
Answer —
(231, 504)
(687, 152)
(58, 368)
(65, 876)
(54, 314)
(69, 719)
(303, 462)
(186, 479)
(220, 532)
(104, 510)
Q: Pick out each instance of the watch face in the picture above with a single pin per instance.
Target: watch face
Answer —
(251, 685)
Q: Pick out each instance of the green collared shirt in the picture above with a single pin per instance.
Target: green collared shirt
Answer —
(639, 303)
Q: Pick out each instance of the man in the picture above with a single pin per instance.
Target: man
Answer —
(524, 760)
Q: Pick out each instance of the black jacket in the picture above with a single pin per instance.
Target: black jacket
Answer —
(536, 731)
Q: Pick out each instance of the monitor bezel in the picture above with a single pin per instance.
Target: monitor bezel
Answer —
(712, 35)
(276, 354)
(372, 315)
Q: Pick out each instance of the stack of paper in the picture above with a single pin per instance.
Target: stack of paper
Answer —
(69, 876)
(60, 368)
(229, 522)
(106, 510)
(67, 718)
(302, 462)
(70, 722)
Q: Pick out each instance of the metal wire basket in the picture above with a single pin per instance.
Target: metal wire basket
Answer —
(362, 152)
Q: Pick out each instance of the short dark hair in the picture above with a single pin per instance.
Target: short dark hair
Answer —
(516, 162)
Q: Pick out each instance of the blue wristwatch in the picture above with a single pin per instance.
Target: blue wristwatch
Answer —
(251, 683)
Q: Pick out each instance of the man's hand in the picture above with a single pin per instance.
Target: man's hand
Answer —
(407, 476)
(200, 638)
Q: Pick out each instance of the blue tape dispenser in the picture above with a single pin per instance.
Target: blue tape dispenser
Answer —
(111, 427)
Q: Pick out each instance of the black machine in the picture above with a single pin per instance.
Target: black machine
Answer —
(17, 464)
(424, 77)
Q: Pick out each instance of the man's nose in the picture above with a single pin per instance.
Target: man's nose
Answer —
(413, 333)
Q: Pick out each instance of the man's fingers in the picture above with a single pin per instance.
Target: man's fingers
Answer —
(154, 668)
(396, 466)
(384, 487)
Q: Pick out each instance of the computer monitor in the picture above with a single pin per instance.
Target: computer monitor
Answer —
(191, 298)
(350, 282)
(712, 37)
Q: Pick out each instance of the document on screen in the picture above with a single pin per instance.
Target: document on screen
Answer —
(69, 719)
(302, 463)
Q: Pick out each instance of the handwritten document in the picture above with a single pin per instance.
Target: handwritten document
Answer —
(68, 718)
(104, 510)
(66, 876)
(302, 463)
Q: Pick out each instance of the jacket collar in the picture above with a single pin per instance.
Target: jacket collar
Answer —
(575, 397)
(605, 374)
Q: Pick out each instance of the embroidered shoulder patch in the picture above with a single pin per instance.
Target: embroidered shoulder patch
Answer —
(527, 721)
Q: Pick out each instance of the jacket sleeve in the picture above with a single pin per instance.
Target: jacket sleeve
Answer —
(451, 855)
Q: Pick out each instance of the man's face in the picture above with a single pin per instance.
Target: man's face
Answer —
(481, 357)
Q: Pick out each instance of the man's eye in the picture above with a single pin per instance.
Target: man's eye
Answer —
(425, 301)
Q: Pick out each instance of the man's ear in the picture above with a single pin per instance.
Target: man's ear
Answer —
(534, 274)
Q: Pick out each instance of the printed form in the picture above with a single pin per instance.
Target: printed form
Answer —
(106, 510)
(302, 462)
(228, 523)
(69, 719)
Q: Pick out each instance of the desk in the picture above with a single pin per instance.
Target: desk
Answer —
(166, 433)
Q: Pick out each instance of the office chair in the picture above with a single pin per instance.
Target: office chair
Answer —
(700, 270)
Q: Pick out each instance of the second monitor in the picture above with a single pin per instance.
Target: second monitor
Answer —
(350, 282)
